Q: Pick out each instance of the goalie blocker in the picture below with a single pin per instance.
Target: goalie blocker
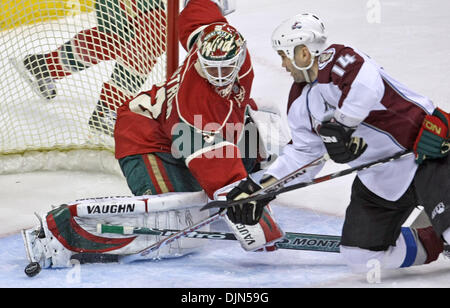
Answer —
(259, 236)
(72, 228)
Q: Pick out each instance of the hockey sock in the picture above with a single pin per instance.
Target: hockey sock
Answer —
(423, 246)
(413, 247)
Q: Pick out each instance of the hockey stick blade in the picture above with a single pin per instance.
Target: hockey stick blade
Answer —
(125, 230)
(291, 241)
(279, 190)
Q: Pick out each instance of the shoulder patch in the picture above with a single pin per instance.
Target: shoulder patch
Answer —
(326, 57)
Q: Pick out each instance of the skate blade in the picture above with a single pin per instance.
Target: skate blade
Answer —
(27, 243)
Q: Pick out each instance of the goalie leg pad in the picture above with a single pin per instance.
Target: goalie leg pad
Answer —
(42, 247)
(71, 229)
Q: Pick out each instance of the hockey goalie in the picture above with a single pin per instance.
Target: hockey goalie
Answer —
(171, 183)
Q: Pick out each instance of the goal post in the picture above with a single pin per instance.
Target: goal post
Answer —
(65, 64)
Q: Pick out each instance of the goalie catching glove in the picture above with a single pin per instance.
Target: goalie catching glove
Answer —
(340, 144)
(252, 223)
(433, 140)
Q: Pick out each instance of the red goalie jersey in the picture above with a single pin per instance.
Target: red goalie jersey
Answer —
(188, 116)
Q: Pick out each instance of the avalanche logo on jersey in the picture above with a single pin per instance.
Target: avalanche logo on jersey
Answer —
(326, 57)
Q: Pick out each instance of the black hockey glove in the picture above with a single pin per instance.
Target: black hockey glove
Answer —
(340, 144)
(247, 213)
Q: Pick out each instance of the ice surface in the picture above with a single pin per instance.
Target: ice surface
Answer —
(410, 40)
(219, 264)
(223, 264)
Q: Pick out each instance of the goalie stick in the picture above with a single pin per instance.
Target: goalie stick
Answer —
(278, 187)
(296, 241)
(145, 252)
(292, 241)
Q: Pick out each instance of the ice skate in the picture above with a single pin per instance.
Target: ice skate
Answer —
(34, 69)
(103, 120)
(35, 242)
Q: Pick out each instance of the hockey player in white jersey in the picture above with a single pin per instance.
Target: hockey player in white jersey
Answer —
(342, 102)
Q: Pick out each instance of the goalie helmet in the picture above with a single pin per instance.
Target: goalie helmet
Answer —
(221, 53)
(302, 29)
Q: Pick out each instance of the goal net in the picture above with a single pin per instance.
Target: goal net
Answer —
(65, 68)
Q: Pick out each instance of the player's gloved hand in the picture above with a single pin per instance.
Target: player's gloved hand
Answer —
(433, 140)
(340, 144)
(247, 213)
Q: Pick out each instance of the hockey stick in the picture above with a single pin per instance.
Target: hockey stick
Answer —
(145, 252)
(273, 191)
(296, 241)
(293, 241)
(214, 217)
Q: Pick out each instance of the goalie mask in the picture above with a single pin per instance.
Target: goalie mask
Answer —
(221, 53)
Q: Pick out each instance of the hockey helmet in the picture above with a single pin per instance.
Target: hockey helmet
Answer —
(302, 29)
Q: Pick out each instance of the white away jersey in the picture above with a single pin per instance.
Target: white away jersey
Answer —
(358, 93)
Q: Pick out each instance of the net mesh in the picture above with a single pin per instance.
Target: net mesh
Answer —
(66, 65)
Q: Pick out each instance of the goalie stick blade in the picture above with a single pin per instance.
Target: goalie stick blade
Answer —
(310, 242)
